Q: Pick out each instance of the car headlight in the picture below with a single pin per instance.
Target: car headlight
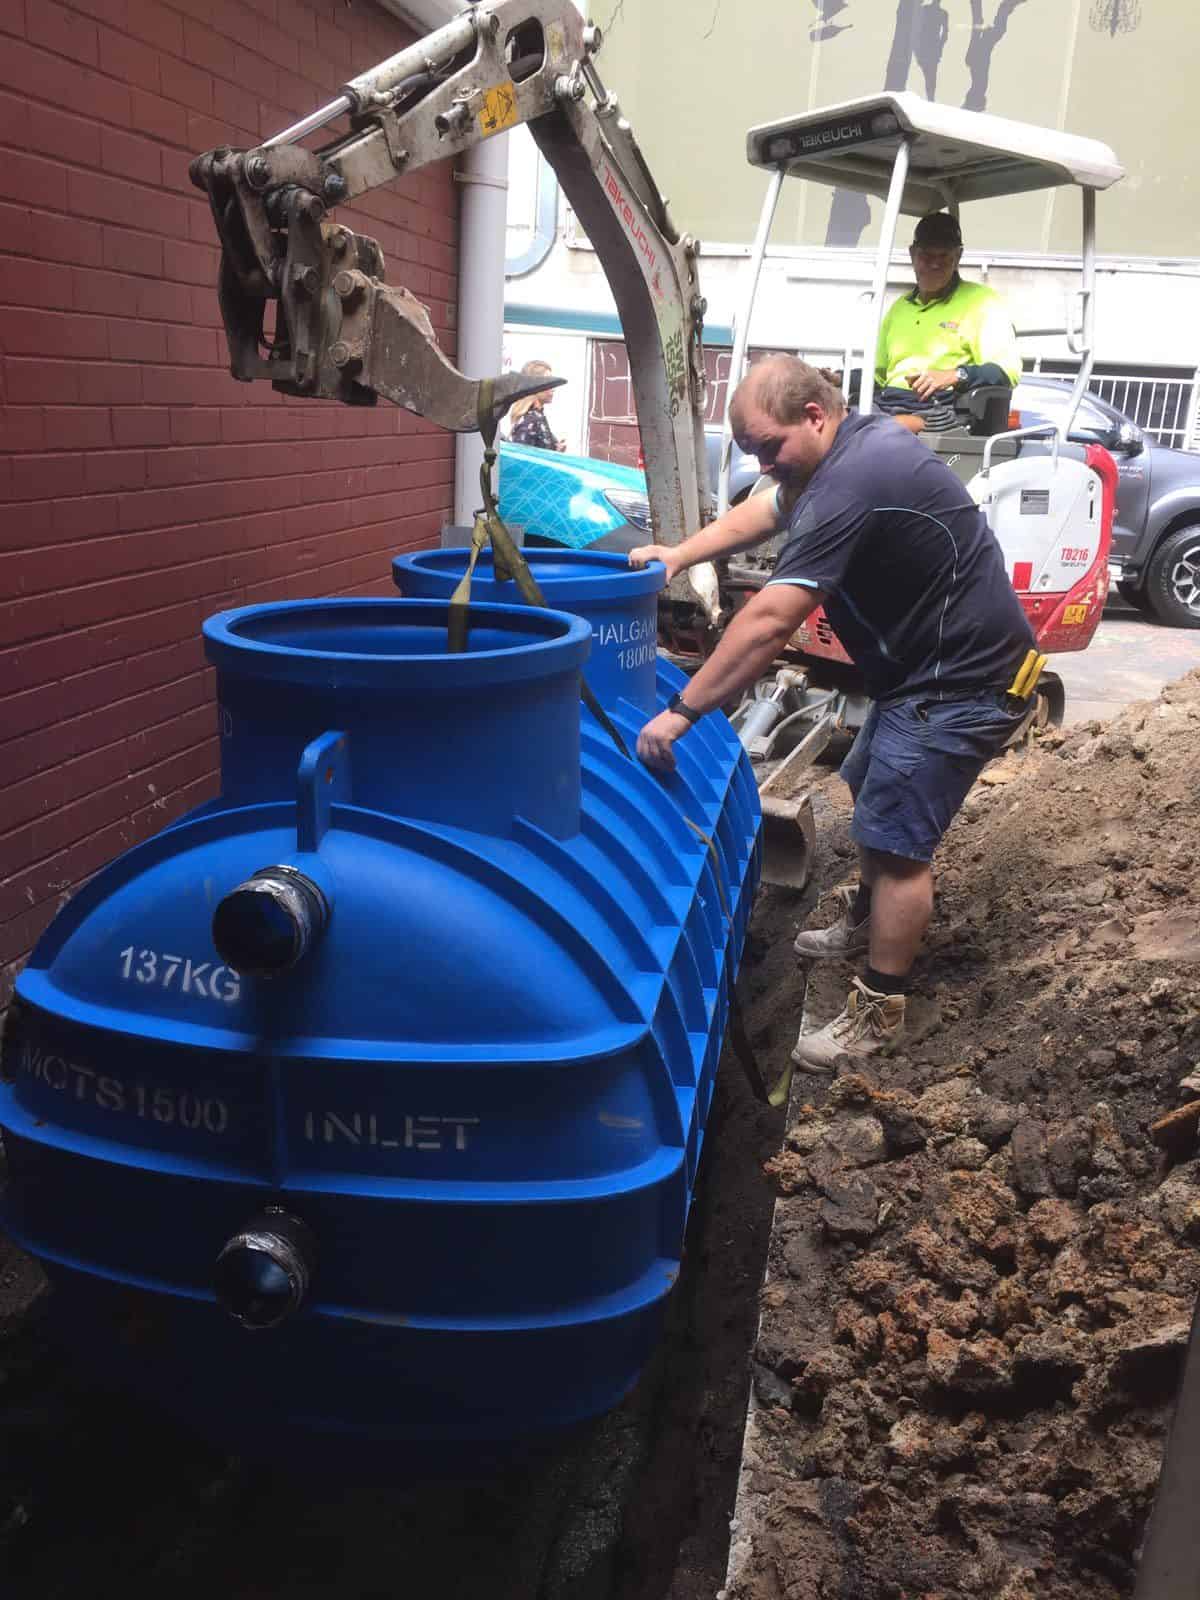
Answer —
(631, 505)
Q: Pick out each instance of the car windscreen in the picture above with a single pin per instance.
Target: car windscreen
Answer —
(1034, 401)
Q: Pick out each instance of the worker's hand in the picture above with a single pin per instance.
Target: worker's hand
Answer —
(928, 383)
(666, 553)
(657, 737)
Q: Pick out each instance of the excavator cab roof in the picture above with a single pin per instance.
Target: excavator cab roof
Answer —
(920, 157)
(954, 156)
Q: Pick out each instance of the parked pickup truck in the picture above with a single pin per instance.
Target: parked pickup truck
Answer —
(1156, 529)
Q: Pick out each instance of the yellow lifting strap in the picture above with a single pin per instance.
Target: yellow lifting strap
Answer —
(508, 561)
(739, 1038)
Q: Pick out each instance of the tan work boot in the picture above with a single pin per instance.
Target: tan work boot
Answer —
(843, 938)
(871, 1024)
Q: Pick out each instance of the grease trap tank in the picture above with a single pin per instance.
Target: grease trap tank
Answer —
(367, 1100)
(619, 602)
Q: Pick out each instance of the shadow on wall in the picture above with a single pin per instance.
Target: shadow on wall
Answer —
(824, 27)
(920, 35)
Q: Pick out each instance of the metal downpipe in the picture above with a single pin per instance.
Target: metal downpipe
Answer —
(483, 176)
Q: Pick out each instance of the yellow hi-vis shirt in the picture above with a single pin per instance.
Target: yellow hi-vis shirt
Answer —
(965, 328)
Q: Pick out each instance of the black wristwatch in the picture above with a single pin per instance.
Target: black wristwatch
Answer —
(676, 703)
(964, 377)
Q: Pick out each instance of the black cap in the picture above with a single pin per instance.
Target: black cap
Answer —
(939, 228)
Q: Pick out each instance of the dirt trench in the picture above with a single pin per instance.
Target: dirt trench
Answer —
(984, 1258)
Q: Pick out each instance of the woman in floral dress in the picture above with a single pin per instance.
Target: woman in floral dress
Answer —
(528, 416)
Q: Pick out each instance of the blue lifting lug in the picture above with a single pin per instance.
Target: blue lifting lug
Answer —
(322, 781)
(267, 925)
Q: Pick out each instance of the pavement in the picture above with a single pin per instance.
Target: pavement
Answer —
(1130, 658)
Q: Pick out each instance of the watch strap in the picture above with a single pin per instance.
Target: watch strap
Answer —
(676, 703)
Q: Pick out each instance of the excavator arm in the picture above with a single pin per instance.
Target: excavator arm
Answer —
(342, 332)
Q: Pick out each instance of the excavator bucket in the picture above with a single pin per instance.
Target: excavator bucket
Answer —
(789, 831)
(789, 840)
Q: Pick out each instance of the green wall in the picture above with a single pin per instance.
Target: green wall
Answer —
(693, 75)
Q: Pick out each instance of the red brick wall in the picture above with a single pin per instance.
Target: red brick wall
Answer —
(142, 488)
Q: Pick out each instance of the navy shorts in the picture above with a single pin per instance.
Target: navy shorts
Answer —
(912, 764)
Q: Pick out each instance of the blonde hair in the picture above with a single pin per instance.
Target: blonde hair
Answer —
(520, 407)
(781, 387)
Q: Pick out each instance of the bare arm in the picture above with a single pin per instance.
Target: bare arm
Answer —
(750, 643)
(742, 526)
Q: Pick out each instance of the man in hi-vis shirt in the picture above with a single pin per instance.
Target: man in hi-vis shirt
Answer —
(946, 336)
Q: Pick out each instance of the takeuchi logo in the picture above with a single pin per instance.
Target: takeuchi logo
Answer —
(840, 134)
(641, 239)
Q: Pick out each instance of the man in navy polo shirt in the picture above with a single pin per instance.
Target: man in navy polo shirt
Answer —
(886, 538)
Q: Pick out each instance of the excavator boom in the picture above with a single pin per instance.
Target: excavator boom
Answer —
(341, 331)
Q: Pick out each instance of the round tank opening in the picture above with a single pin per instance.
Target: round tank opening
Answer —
(547, 566)
(267, 925)
(395, 629)
(395, 647)
(263, 1273)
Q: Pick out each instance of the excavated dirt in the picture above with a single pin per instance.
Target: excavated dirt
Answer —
(985, 1254)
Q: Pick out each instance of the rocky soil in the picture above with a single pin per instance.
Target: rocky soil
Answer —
(985, 1260)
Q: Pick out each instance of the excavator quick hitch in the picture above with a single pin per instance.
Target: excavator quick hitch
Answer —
(341, 332)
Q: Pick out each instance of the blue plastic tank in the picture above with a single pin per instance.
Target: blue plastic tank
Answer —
(366, 1101)
(620, 603)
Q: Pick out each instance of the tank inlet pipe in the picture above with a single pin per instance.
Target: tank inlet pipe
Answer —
(267, 925)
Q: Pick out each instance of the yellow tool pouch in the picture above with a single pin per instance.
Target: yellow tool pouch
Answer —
(1027, 676)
